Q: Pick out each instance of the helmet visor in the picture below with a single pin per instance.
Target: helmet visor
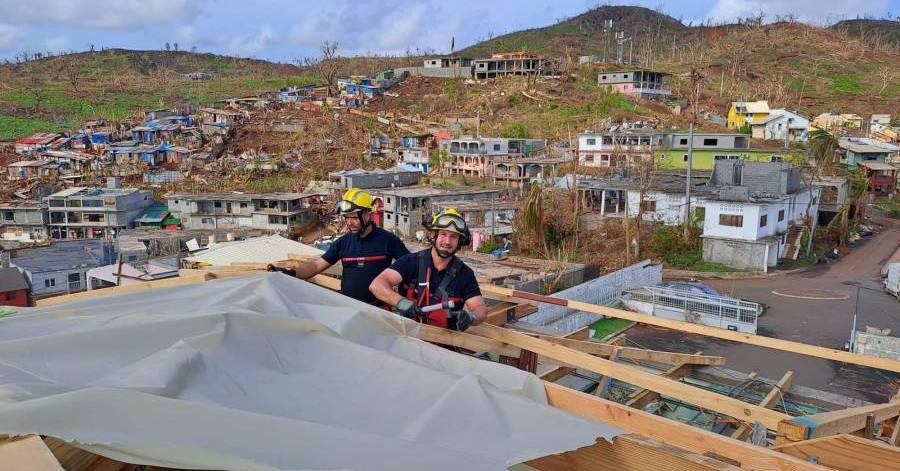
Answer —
(346, 207)
(450, 222)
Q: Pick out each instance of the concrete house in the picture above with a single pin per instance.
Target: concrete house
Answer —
(645, 84)
(511, 63)
(473, 155)
(92, 213)
(403, 208)
(616, 149)
(708, 148)
(415, 152)
(782, 125)
(24, 221)
(28, 169)
(395, 176)
(62, 267)
(875, 157)
(744, 113)
(282, 212)
(753, 212)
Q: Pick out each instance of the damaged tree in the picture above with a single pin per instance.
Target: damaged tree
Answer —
(325, 66)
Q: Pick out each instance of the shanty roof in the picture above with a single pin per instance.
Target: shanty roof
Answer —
(240, 196)
(154, 214)
(132, 274)
(63, 256)
(29, 163)
(270, 372)
(266, 249)
(752, 106)
(11, 279)
(876, 165)
(866, 146)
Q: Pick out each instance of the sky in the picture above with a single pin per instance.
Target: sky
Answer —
(282, 30)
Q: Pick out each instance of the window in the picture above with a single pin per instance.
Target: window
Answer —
(763, 220)
(592, 141)
(710, 141)
(206, 220)
(777, 158)
(243, 205)
(588, 157)
(73, 203)
(732, 220)
(625, 76)
(700, 213)
(49, 282)
(8, 215)
(496, 146)
(780, 215)
(683, 141)
(738, 175)
(217, 204)
(649, 205)
(57, 203)
(604, 77)
(685, 157)
(92, 203)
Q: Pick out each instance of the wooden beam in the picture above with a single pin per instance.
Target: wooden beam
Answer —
(833, 422)
(465, 340)
(846, 453)
(670, 432)
(632, 375)
(605, 350)
(27, 453)
(758, 340)
(99, 293)
(557, 373)
(603, 384)
(639, 399)
(768, 402)
(629, 453)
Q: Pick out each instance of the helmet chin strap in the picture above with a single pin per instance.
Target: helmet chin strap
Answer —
(442, 253)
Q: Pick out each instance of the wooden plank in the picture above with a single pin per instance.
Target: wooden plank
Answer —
(758, 340)
(834, 422)
(846, 453)
(605, 350)
(768, 402)
(557, 373)
(632, 375)
(603, 384)
(673, 433)
(639, 399)
(632, 453)
(498, 314)
(99, 293)
(27, 453)
(465, 340)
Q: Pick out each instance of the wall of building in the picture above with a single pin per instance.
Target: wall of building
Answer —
(746, 255)
(704, 159)
(60, 281)
(883, 346)
(18, 298)
(437, 72)
(749, 229)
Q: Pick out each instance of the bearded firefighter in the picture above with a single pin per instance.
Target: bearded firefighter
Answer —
(435, 278)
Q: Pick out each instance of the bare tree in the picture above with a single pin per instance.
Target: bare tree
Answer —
(175, 46)
(887, 75)
(325, 66)
(70, 71)
(168, 47)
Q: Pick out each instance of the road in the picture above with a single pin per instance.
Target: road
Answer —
(814, 307)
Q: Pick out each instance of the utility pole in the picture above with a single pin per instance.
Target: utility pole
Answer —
(687, 185)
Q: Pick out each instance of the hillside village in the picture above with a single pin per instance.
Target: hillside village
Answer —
(667, 195)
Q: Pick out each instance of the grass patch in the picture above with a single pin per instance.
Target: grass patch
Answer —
(609, 325)
(13, 127)
(844, 83)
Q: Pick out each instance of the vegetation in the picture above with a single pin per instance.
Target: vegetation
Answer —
(608, 326)
(12, 127)
(515, 130)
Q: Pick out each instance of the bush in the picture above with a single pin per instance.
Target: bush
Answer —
(488, 246)
(515, 131)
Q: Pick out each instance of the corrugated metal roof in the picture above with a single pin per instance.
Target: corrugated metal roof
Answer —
(266, 249)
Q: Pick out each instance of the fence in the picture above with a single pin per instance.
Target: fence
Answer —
(712, 310)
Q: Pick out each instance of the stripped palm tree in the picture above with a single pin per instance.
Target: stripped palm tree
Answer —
(533, 215)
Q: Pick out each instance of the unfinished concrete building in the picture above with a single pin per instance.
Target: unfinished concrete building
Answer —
(511, 63)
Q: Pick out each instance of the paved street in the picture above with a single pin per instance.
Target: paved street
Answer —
(814, 307)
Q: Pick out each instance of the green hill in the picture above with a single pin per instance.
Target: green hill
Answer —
(60, 91)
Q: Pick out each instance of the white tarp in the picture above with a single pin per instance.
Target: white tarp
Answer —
(267, 372)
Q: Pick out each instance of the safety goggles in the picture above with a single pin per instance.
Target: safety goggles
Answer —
(448, 221)
(344, 207)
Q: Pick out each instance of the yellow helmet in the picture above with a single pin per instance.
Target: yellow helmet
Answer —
(450, 220)
(355, 200)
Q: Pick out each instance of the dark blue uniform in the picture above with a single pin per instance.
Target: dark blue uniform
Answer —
(364, 258)
(463, 286)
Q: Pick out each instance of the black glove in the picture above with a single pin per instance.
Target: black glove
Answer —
(408, 309)
(286, 271)
(464, 319)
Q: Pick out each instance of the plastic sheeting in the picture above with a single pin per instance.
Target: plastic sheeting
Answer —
(267, 372)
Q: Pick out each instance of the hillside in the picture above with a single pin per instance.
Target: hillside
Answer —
(59, 91)
(842, 68)
(584, 34)
(874, 31)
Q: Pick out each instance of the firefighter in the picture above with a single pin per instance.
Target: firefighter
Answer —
(365, 251)
(435, 276)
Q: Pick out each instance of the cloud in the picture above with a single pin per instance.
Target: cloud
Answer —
(819, 11)
(57, 44)
(249, 45)
(9, 35)
(99, 14)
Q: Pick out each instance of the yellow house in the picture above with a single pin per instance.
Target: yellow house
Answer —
(743, 113)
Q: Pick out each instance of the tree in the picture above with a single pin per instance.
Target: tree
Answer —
(168, 47)
(887, 75)
(325, 66)
(533, 215)
(822, 146)
(175, 46)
